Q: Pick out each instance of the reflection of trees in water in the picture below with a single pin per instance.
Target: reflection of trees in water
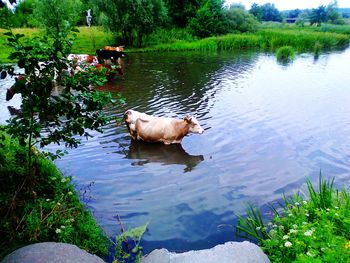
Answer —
(181, 82)
(144, 153)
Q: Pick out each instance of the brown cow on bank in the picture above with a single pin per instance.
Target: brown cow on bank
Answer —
(159, 129)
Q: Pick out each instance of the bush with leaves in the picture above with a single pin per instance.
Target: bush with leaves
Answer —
(304, 230)
(43, 208)
(54, 118)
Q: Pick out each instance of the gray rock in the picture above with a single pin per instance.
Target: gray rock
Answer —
(51, 252)
(230, 252)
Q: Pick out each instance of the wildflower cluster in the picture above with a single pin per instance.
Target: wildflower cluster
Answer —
(314, 230)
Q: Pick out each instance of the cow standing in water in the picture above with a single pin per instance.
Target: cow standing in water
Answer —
(160, 129)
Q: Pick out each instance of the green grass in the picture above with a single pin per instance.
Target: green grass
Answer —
(87, 41)
(269, 37)
(43, 207)
(265, 39)
(90, 39)
(312, 229)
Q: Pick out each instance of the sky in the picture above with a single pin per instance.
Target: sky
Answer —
(290, 4)
(12, 6)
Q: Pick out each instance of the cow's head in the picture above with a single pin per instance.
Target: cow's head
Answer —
(194, 126)
(130, 116)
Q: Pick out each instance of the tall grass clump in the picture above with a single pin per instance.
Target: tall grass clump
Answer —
(285, 54)
(264, 39)
(41, 208)
(302, 40)
(316, 229)
(168, 36)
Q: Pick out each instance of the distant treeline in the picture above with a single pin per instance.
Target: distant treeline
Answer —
(131, 22)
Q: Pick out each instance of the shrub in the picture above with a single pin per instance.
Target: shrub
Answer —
(49, 211)
(285, 53)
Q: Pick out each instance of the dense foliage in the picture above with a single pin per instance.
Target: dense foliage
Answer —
(181, 12)
(131, 22)
(313, 229)
(266, 12)
(43, 208)
(324, 14)
(57, 16)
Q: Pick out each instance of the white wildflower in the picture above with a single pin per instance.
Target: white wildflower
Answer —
(308, 233)
(297, 203)
(336, 207)
(274, 226)
(327, 209)
(48, 200)
(58, 203)
(281, 227)
(63, 180)
(58, 230)
(288, 244)
(304, 202)
(285, 237)
(306, 214)
(304, 223)
(258, 228)
(290, 214)
(63, 227)
(70, 193)
(295, 226)
(292, 231)
(310, 254)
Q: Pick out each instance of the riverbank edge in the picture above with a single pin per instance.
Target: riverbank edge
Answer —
(265, 39)
(44, 208)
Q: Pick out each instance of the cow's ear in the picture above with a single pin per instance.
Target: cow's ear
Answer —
(188, 119)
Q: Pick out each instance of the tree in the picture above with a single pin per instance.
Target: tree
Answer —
(238, 19)
(209, 19)
(294, 13)
(47, 117)
(57, 16)
(181, 12)
(130, 20)
(318, 15)
(333, 16)
(23, 14)
(266, 12)
(256, 11)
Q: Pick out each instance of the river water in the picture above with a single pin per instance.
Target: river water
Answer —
(268, 127)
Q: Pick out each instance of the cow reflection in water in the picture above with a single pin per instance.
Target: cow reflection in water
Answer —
(164, 154)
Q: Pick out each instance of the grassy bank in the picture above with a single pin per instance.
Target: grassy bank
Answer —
(264, 39)
(87, 41)
(41, 207)
(311, 228)
(269, 37)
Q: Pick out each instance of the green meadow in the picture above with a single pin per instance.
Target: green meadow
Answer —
(269, 37)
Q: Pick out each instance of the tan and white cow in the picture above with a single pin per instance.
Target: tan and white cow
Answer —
(149, 128)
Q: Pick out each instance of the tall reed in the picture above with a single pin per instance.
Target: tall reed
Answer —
(265, 39)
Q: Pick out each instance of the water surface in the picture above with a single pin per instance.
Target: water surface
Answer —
(267, 128)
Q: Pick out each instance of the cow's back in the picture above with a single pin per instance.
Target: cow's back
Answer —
(159, 129)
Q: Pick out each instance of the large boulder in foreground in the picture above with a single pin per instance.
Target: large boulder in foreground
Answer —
(230, 252)
(51, 252)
